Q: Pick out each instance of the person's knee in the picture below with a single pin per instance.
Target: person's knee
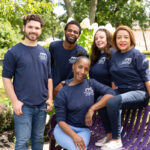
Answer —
(110, 103)
(114, 103)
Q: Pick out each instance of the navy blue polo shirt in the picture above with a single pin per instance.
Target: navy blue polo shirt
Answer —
(62, 61)
(30, 68)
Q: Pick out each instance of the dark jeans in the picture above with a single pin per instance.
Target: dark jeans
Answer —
(30, 125)
(111, 114)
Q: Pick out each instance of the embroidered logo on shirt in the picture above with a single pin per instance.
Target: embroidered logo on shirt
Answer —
(43, 56)
(102, 60)
(72, 60)
(127, 61)
(88, 91)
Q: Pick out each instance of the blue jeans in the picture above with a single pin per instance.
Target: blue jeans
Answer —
(66, 141)
(30, 125)
(111, 114)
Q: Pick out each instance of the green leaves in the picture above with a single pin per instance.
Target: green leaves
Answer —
(115, 12)
(11, 14)
(86, 39)
(8, 36)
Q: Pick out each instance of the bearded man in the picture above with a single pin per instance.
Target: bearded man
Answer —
(29, 65)
(63, 55)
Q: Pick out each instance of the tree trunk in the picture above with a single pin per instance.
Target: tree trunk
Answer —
(144, 40)
(93, 11)
(69, 8)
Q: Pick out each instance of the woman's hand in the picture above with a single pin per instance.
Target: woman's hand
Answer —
(88, 117)
(79, 143)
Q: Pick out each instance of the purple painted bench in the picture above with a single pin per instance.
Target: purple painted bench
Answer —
(135, 130)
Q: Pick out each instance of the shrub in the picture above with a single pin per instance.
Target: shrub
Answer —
(8, 36)
(6, 118)
(86, 39)
(46, 46)
(2, 52)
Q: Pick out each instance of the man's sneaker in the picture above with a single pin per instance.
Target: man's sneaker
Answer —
(112, 145)
(102, 141)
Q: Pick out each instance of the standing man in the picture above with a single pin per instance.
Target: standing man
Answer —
(31, 91)
(63, 54)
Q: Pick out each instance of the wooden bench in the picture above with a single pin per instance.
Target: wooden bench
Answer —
(135, 130)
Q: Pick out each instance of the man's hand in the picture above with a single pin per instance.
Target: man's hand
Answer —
(57, 89)
(114, 87)
(49, 102)
(88, 117)
(17, 107)
(79, 142)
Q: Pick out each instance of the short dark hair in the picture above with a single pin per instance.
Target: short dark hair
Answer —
(34, 17)
(75, 23)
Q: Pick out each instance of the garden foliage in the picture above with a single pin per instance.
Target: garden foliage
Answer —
(6, 118)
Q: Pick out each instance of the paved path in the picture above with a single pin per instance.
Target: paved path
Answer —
(45, 147)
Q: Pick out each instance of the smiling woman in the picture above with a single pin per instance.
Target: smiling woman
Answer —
(74, 106)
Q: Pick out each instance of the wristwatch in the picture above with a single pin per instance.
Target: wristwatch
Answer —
(63, 83)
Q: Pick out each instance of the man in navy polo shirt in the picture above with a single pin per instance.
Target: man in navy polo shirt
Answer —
(64, 53)
(29, 65)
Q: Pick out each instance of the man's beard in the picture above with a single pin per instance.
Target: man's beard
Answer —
(30, 38)
(71, 41)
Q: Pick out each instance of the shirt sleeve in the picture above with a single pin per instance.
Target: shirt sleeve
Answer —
(49, 66)
(60, 107)
(51, 52)
(9, 65)
(142, 67)
(102, 89)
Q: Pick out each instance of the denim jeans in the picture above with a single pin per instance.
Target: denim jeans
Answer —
(66, 141)
(30, 125)
(111, 114)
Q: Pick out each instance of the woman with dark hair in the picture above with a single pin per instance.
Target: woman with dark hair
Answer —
(100, 64)
(130, 72)
(74, 106)
(100, 57)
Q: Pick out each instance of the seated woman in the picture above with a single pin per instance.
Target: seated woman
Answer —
(130, 72)
(74, 107)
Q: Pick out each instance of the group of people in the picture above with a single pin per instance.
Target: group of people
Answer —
(119, 78)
